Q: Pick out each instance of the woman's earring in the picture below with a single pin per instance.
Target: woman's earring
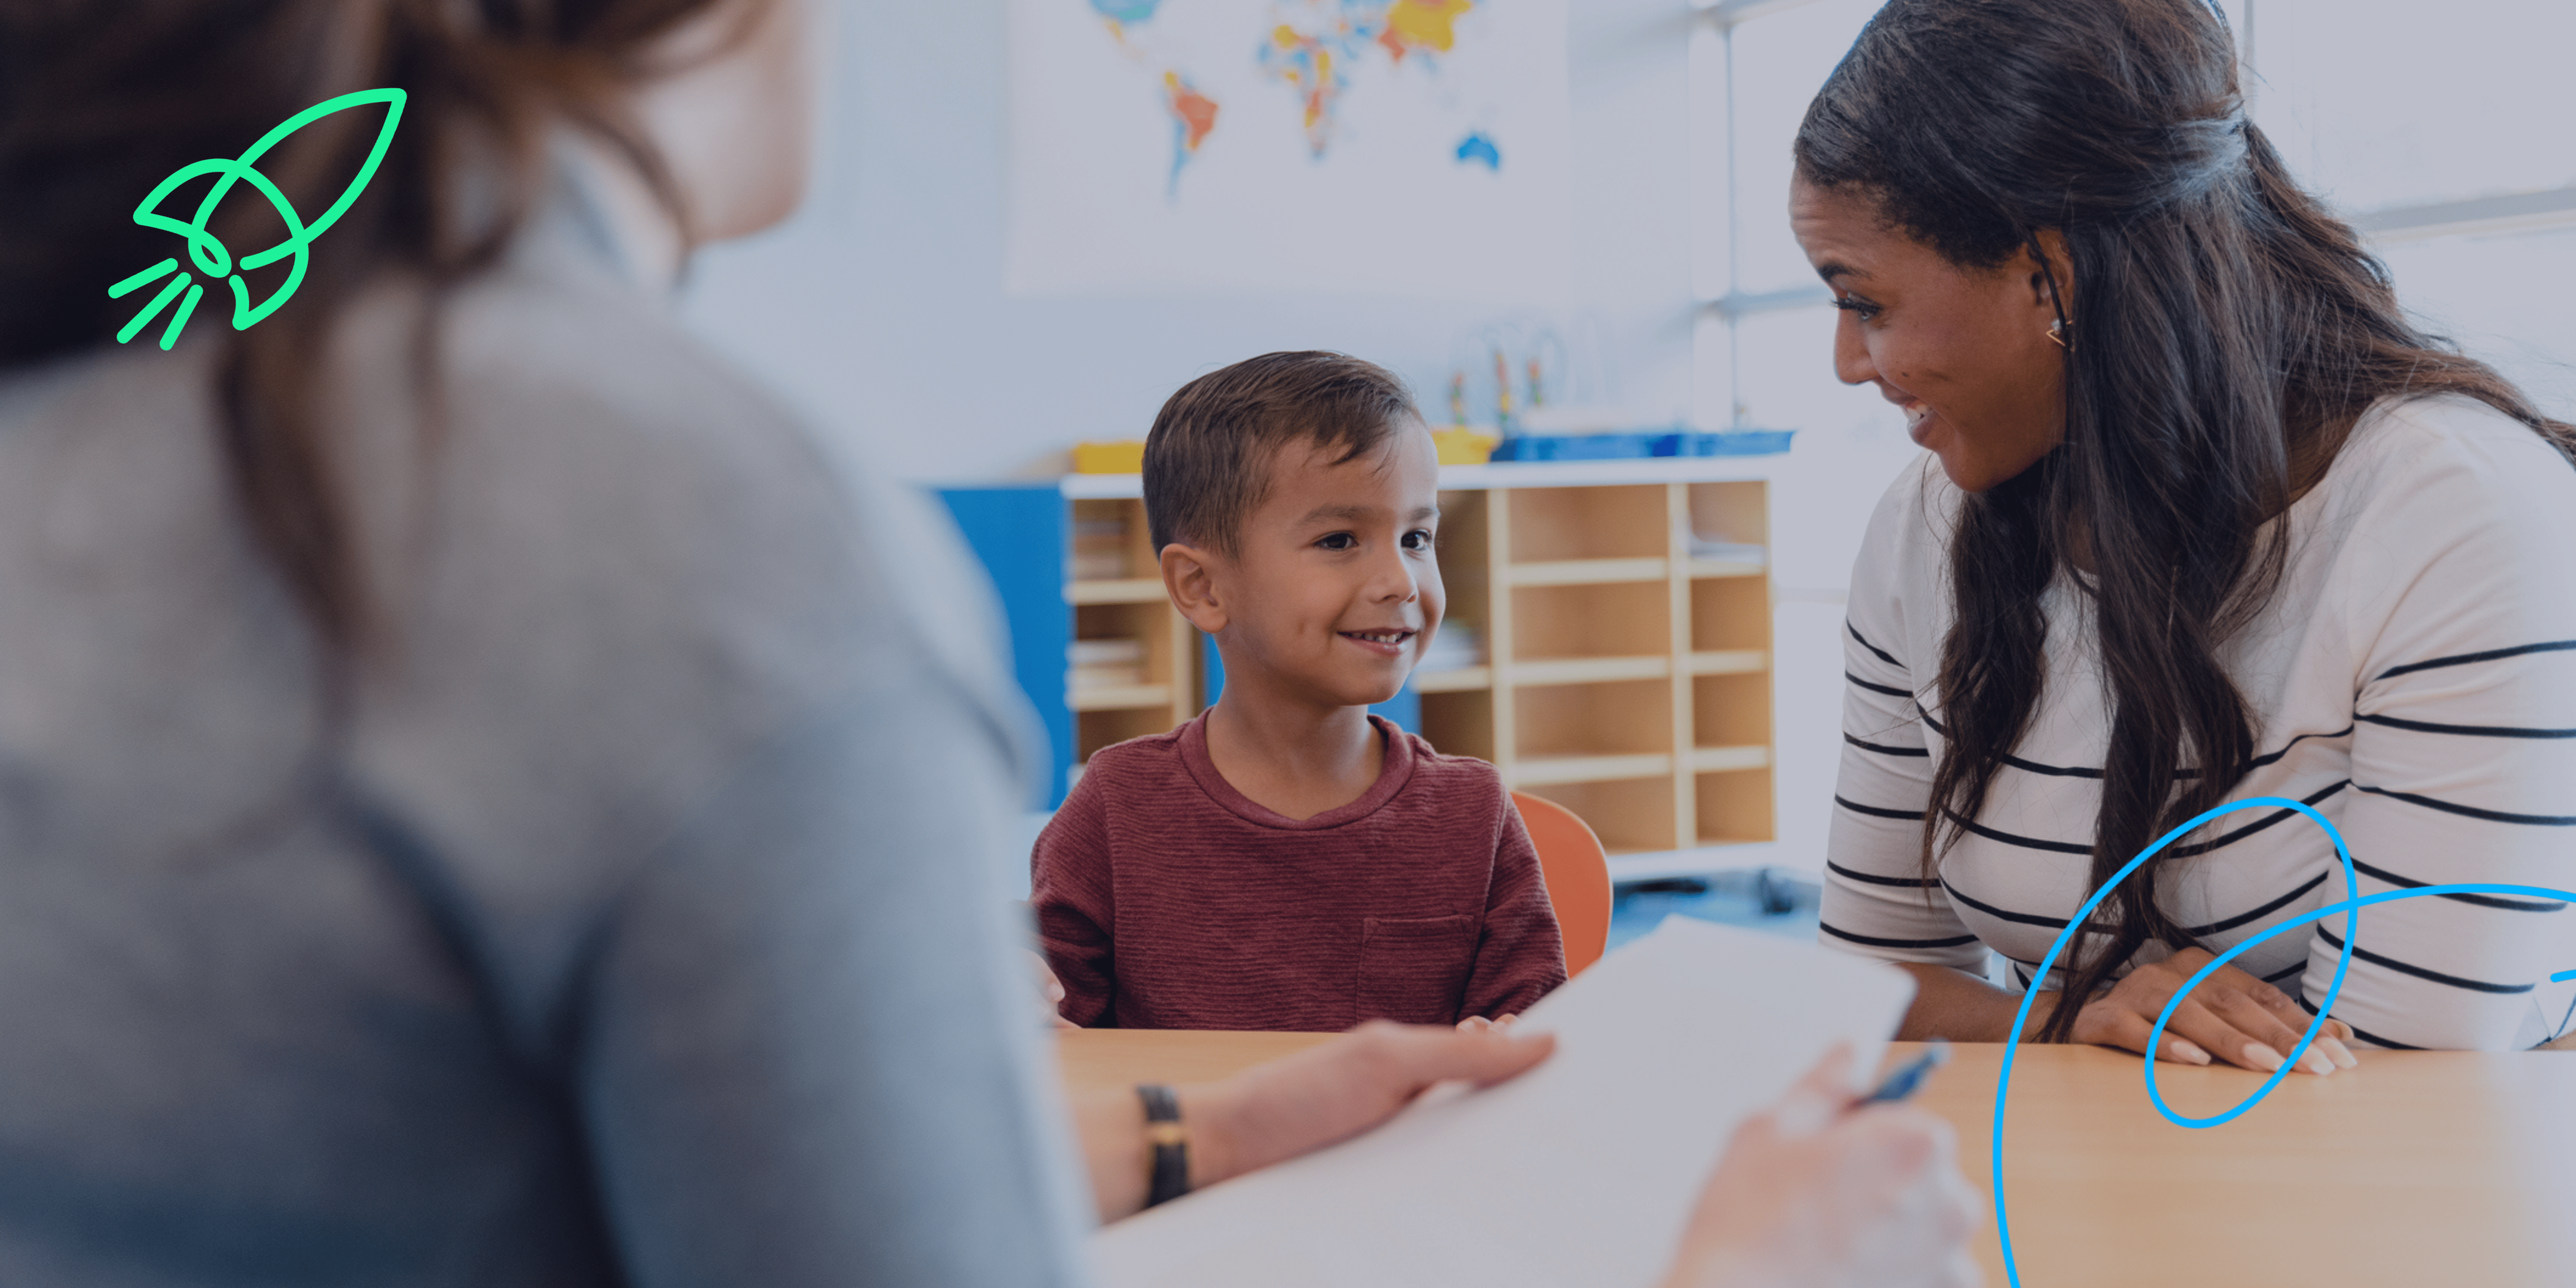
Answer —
(2057, 332)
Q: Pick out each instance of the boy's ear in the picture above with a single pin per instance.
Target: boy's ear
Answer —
(1189, 577)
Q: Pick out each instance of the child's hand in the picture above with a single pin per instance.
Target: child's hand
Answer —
(1051, 989)
(1479, 1024)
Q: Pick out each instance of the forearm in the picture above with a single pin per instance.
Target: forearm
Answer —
(1110, 1124)
(1290, 1106)
(1956, 1005)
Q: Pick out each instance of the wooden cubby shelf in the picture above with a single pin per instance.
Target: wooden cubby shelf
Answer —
(1115, 593)
(1627, 633)
(1733, 661)
(1715, 759)
(1709, 568)
(1587, 572)
(1124, 590)
(1591, 670)
(1121, 697)
(1465, 679)
(1590, 769)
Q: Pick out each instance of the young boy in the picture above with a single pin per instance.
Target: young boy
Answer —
(1287, 860)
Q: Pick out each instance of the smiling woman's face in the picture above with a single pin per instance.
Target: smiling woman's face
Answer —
(1964, 351)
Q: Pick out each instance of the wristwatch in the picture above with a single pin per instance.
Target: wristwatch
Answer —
(1171, 1142)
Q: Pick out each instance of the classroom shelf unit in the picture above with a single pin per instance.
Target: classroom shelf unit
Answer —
(1609, 631)
(1131, 667)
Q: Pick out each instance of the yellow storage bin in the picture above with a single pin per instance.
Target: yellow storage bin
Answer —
(1127, 457)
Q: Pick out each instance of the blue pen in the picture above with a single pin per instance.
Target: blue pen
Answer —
(1907, 1078)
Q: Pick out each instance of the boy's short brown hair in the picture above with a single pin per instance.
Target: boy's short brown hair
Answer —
(1206, 455)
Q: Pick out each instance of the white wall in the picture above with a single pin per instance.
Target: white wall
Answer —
(880, 306)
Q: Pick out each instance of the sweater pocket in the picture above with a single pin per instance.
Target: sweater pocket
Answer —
(1414, 969)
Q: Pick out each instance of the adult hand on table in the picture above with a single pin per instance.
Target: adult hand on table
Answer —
(2232, 1015)
(1809, 1196)
(1296, 1104)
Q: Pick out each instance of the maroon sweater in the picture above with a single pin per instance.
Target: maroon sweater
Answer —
(1169, 900)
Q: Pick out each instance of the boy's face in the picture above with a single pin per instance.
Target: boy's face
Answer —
(1334, 587)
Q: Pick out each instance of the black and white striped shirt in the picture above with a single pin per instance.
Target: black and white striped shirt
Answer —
(2414, 679)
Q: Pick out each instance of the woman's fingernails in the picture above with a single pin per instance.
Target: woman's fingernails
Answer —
(2262, 1057)
(2189, 1054)
(2317, 1062)
(2342, 1054)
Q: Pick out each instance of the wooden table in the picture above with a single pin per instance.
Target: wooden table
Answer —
(2417, 1169)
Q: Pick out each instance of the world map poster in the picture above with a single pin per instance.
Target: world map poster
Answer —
(1380, 147)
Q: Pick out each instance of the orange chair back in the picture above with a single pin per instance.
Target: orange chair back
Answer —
(1577, 871)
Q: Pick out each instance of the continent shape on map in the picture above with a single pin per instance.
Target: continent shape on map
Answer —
(1126, 13)
(1316, 42)
(1305, 60)
(1193, 116)
(1422, 24)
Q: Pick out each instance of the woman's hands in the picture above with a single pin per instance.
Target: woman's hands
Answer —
(1808, 1196)
(2232, 1016)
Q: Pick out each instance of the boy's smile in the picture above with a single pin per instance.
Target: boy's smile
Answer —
(1392, 643)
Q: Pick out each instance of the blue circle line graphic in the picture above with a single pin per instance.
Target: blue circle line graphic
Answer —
(2350, 906)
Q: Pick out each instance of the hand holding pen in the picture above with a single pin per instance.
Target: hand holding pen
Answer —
(1831, 1190)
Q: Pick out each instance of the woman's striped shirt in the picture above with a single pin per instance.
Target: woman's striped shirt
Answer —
(2413, 678)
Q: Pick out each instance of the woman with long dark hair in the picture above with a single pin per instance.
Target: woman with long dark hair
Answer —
(2210, 520)
(486, 798)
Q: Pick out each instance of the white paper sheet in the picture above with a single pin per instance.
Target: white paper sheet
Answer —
(1579, 1172)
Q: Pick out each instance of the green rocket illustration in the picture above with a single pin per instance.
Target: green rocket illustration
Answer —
(208, 254)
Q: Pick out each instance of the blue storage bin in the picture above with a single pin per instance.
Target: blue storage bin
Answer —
(1640, 445)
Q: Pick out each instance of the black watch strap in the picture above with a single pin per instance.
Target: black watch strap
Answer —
(1171, 1142)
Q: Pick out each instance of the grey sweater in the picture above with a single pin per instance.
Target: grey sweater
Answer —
(644, 922)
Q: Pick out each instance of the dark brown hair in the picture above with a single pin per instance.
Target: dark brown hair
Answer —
(95, 108)
(1207, 455)
(2227, 333)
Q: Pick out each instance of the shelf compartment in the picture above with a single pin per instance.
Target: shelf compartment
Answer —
(1731, 710)
(1730, 613)
(1711, 760)
(1622, 718)
(1626, 620)
(1549, 524)
(1737, 512)
(1555, 770)
(1121, 697)
(1700, 569)
(1459, 722)
(1731, 661)
(1465, 553)
(1630, 815)
(1587, 572)
(1096, 729)
(1591, 670)
(1111, 542)
(1459, 680)
(1734, 807)
(1126, 590)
